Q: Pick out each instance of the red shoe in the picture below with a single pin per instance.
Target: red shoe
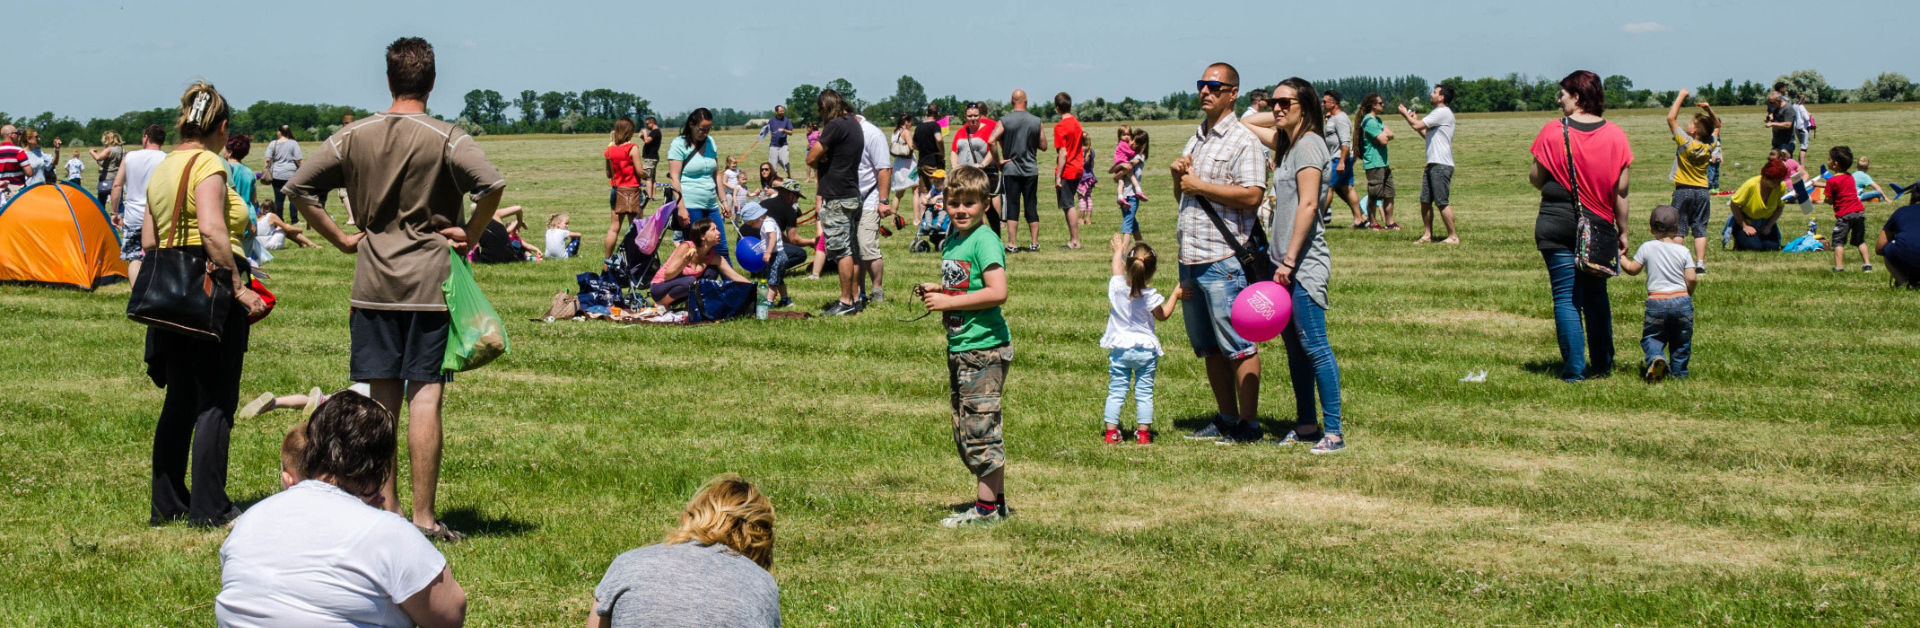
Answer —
(1142, 436)
(1113, 435)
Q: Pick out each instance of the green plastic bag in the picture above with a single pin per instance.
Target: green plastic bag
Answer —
(477, 334)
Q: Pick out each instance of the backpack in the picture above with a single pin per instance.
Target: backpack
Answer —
(719, 299)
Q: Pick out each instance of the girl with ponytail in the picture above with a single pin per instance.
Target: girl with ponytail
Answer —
(1133, 350)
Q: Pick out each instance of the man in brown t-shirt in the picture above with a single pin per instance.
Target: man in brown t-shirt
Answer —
(408, 176)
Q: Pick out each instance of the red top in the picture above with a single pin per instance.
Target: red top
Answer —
(1598, 156)
(986, 131)
(1845, 194)
(1066, 139)
(621, 156)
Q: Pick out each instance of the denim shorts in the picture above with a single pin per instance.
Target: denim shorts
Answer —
(1207, 315)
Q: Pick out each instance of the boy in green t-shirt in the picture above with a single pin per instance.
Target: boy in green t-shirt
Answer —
(973, 284)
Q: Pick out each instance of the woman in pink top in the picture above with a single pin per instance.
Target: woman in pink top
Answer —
(1601, 157)
(696, 257)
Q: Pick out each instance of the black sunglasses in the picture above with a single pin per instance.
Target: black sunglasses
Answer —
(1216, 86)
(1277, 103)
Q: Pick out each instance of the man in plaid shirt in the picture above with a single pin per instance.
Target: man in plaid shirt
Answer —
(1223, 164)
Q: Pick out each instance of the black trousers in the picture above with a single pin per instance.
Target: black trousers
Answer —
(202, 380)
(291, 215)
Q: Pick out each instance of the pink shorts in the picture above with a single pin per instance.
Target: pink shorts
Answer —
(820, 243)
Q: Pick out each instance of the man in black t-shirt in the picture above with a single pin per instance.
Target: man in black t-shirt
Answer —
(650, 156)
(790, 251)
(933, 153)
(837, 158)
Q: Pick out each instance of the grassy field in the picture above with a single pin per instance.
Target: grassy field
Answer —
(1776, 487)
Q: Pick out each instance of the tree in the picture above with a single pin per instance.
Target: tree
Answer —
(495, 105)
(553, 105)
(1888, 87)
(909, 95)
(803, 104)
(846, 93)
(529, 105)
(1806, 83)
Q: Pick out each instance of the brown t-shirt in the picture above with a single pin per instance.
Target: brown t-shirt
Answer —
(399, 171)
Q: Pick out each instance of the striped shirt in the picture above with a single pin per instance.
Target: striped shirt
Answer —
(1227, 154)
(13, 164)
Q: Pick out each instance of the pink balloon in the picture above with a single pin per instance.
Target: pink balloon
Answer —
(1262, 311)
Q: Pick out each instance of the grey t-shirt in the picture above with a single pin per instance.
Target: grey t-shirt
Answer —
(1019, 140)
(1339, 133)
(1315, 265)
(282, 159)
(687, 584)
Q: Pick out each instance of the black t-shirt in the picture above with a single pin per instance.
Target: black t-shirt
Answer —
(842, 139)
(1783, 114)
(496, 247)
(782, 213)
(926, 141)
(650, 149)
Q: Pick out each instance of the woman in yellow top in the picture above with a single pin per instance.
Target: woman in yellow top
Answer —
(1756, 209)
(202, 377)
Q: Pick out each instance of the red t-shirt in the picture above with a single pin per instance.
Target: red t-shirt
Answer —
(1845, 194)
(622, 157)
(1066, 139)
(1598, 156)
(986, 131)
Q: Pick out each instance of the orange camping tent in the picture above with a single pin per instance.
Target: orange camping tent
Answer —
(55, 234)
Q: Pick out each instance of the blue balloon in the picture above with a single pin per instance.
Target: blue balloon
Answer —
(748, 253)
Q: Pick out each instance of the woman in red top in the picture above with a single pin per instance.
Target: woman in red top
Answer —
(621, 160)
(1601, 157)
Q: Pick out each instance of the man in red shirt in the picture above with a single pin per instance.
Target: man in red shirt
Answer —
(13, 163)
(1067, 162)
(1849, 216)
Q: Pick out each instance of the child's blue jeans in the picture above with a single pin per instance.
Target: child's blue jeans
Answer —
(1669, 327)
(1129, 224)
(1133, 367)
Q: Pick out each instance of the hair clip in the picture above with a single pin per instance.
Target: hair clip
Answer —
(199, 107)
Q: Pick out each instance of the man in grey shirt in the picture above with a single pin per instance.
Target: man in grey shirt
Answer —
(1339, 177)
(1019, 138)
(686, 584)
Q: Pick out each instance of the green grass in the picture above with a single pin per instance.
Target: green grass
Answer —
(1776, 487)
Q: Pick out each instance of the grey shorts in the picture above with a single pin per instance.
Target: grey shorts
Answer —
(866, 234)
(130, 249)
(1380, 183)
(1436, 185)
(389, 344)
(1068, 194)
(1696, 209)
(838, 218)
(778, 156)
(1850, 230)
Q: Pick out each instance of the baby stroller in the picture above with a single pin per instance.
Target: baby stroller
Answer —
(933, 228)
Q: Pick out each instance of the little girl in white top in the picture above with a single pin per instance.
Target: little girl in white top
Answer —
(1133, 350)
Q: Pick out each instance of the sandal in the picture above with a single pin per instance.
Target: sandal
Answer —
(440, 532)
(1358, 225)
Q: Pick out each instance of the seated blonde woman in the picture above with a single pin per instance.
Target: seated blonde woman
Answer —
(712, 571)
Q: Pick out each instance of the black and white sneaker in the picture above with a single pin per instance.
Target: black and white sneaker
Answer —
(1210, 432)
(840, 309)
(1244, 433)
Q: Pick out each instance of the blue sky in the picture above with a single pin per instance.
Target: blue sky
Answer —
(749, 54)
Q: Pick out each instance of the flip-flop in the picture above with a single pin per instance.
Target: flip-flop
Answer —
(253, 408)
(440, 532)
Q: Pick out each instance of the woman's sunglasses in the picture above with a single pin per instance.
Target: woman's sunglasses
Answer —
(1277, 103)
(1214, 86)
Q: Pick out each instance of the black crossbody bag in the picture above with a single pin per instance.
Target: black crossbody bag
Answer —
(1254, 256)
(1600, 260)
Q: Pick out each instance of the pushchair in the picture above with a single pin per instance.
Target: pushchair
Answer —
(933, 228)
(628, 274)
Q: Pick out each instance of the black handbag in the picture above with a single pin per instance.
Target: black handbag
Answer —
(179, 289)
(1598, 261)
(1255, 257)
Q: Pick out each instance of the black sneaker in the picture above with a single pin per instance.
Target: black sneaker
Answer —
(1244, 433)
(1210, 432)
(840, 309)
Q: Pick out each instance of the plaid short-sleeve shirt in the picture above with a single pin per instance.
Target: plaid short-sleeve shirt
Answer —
(1229, 154)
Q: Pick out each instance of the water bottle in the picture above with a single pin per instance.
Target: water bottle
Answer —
(763, 301)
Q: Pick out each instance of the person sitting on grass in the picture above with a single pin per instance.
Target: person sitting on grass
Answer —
(1133, 350)
(293, 456)
(1756, 209)
(786, 251)
(697, 257)
(561, 243)
(322, 552)
(1849, 214)
(715, 570)
(1670, 284)
(273, 233)
(973, 285)
(1899, 245)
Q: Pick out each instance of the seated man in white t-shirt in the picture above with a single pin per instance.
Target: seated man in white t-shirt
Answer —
(323, 553)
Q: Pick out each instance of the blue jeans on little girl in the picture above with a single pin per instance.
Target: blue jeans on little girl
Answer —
(1135, 367)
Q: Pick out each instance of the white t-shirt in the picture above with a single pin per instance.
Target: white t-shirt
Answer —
(75, 167)
(138, 167)
(769, 232)
(268, 235)
(1667, 265)
(313, 556)
(557, 240)
(1130, 321)
(874, 157)
(1439, 136)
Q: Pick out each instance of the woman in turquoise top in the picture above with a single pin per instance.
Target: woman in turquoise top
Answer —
(694, 173)
(242, 180)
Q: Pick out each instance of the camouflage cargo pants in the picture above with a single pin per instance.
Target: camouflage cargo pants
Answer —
(976, 378)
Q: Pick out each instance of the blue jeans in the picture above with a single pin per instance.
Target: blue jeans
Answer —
(719, 222)
(1311, 365)
(1713, 176)
(1209, 328)
(1133, 367)
(1577, 295)
(1669, 326)
(1127, 222)
(1870, 195)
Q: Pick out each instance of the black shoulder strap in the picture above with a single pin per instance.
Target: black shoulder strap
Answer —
(1239, 250)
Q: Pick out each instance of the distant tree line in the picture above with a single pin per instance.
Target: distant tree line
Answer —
(594, 111)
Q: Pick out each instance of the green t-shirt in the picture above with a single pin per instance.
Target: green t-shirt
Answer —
(1373, 154)
(964, 260)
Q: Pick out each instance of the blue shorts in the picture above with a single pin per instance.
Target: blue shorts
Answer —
(1207, 315)
(1338, 178)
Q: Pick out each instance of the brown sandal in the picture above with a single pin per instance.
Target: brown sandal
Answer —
(440, 532)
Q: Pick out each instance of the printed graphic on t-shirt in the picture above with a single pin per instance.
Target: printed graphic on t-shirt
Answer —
(954, 281)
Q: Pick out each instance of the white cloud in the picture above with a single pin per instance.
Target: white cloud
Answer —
(1642, 28)
(469, 44)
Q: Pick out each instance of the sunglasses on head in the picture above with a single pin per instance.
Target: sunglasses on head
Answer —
(1214, 86)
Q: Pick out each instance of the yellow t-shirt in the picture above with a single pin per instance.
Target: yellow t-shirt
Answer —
(166, 183)
(1690, 157)
(1757, 205)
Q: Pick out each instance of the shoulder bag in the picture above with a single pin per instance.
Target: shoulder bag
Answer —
(179, 289)
(1254, 256)
(1593, 258)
